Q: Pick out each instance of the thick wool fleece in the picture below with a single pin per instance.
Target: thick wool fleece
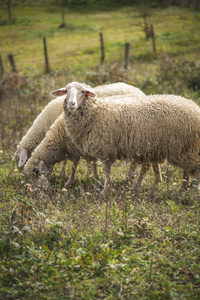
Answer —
(55, 147)
(54, 108)
(119, 88)
(40, 126)
(147, 130)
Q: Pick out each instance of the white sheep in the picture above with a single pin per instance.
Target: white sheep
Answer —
(55, 147)
(146, 130)
(50, 113)
(37, 131)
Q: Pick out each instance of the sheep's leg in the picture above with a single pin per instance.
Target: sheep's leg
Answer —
(72, 175)
(187, 176)
(185, 181)
(132, 170)
(92, 167)
(63, 169)
(157, 173)
(107, 182)
(89, 167)
(196, 180)
(143, 173)
(96, 176)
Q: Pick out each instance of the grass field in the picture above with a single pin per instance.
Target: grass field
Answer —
(74, 244)
(77, 45)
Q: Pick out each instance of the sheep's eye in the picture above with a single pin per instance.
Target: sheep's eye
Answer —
(83, 92)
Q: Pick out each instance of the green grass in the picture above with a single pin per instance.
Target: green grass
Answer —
(74, 244)
(71, 47)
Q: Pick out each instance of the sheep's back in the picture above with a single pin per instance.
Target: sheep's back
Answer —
(40, 126)
(119, 88)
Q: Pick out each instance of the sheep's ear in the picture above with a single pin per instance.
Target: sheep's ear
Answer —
(43, 167)
(90, 93)
(59, 92)
(23, 157)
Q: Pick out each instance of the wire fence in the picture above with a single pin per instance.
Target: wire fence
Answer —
(46, 61)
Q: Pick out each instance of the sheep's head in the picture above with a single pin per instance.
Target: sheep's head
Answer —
(76, 93)
(38, 171)
(37, 167)
(21, 155)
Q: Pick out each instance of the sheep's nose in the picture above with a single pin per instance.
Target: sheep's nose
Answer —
(71, 104)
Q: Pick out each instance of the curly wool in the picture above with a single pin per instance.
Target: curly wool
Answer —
(148, 130)
(39, 127)
(55, 147)
(49, 114)
(119, 88)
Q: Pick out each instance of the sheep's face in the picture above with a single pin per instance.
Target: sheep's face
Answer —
(36, 167)
(39, 172)
(21, 155)
(76, 93)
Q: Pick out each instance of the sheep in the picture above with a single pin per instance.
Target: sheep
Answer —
(37, 131)
(147, 130)
(44, 157)
(50, 113)
(119, 89)
(55, 147)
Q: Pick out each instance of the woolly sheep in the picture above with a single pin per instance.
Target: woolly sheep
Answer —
(147, 130)
(37, 131)
(50, 113)
(55, 147)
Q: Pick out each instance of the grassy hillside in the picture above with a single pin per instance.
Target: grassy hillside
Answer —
(77, 45)
(74, 244)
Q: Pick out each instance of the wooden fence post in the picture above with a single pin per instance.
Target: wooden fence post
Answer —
(46, 56)
(153, 39)
(62, 17)
(126, 56)
(102, 48)
(12, 62)
(1, 67)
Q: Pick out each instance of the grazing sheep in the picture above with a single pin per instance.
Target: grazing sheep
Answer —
(55, 147)
(37, 131)
(146, 130)
(50, 113)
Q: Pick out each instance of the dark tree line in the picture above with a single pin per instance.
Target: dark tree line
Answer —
(97, 4)
(153, 3)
